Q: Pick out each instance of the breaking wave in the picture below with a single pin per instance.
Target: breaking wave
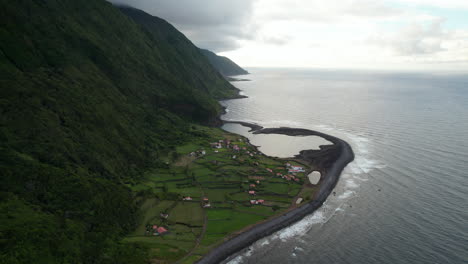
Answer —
(347, 188)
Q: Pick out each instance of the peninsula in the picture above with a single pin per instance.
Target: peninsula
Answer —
(330, 160)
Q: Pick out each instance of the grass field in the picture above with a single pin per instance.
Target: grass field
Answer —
(223, 176)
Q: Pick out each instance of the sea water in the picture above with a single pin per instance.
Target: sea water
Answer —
(405, 197)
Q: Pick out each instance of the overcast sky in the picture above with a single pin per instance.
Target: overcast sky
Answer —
(378, 34)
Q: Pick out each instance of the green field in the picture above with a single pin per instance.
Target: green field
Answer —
(225, 181)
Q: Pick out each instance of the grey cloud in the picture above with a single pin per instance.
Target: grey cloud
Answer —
(415, 39)
(212, 24)
(330, 10)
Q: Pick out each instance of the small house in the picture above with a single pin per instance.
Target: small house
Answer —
(188, 198)
(163, 215)
(252, 192)
(299, 200)
(296, 169)
(161, 230)
(257, 201)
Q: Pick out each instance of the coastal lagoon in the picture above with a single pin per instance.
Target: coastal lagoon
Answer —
(404, 198)
(275, 145)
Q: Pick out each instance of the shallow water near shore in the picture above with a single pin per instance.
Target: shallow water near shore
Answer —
(280, 146)
(404, 198)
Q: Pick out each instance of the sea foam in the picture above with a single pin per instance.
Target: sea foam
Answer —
(347, 188)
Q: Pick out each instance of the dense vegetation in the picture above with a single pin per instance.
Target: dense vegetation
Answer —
(218, 181)
(223, 64)
(89, 101)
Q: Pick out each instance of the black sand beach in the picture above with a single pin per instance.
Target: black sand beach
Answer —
(330, 160)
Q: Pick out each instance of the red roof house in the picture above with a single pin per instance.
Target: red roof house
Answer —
(161, 230)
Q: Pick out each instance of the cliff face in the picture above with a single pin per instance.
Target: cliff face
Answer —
(89, 100)
(223, 64)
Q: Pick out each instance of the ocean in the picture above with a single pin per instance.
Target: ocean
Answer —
(405, 197)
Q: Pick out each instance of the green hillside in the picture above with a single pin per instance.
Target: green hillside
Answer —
(89, 100)
(223, 64)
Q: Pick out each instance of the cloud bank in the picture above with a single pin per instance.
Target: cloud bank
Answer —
(212, 24)
(316, 33)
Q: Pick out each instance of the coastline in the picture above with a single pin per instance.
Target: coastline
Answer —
(331, 161)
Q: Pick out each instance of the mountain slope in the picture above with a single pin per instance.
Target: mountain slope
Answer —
(89, 100)
(223, 64)
(185, 58)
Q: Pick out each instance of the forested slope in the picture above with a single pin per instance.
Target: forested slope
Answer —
(223, 64)
(88, 101)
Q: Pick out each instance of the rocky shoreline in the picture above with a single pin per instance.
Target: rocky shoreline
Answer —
(330, 160)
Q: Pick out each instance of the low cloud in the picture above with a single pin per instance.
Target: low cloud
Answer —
(212, 24)
(415, 39)
(324, 11)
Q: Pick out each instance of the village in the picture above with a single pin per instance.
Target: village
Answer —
(214, 189)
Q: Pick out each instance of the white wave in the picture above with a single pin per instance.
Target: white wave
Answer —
(351, 184)
(302, 226)
(237, 260)
(362, 164)
(277, 123)
(298, 249)
(264, 242)
(348, 187)
(347, 194)
(325, 127)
